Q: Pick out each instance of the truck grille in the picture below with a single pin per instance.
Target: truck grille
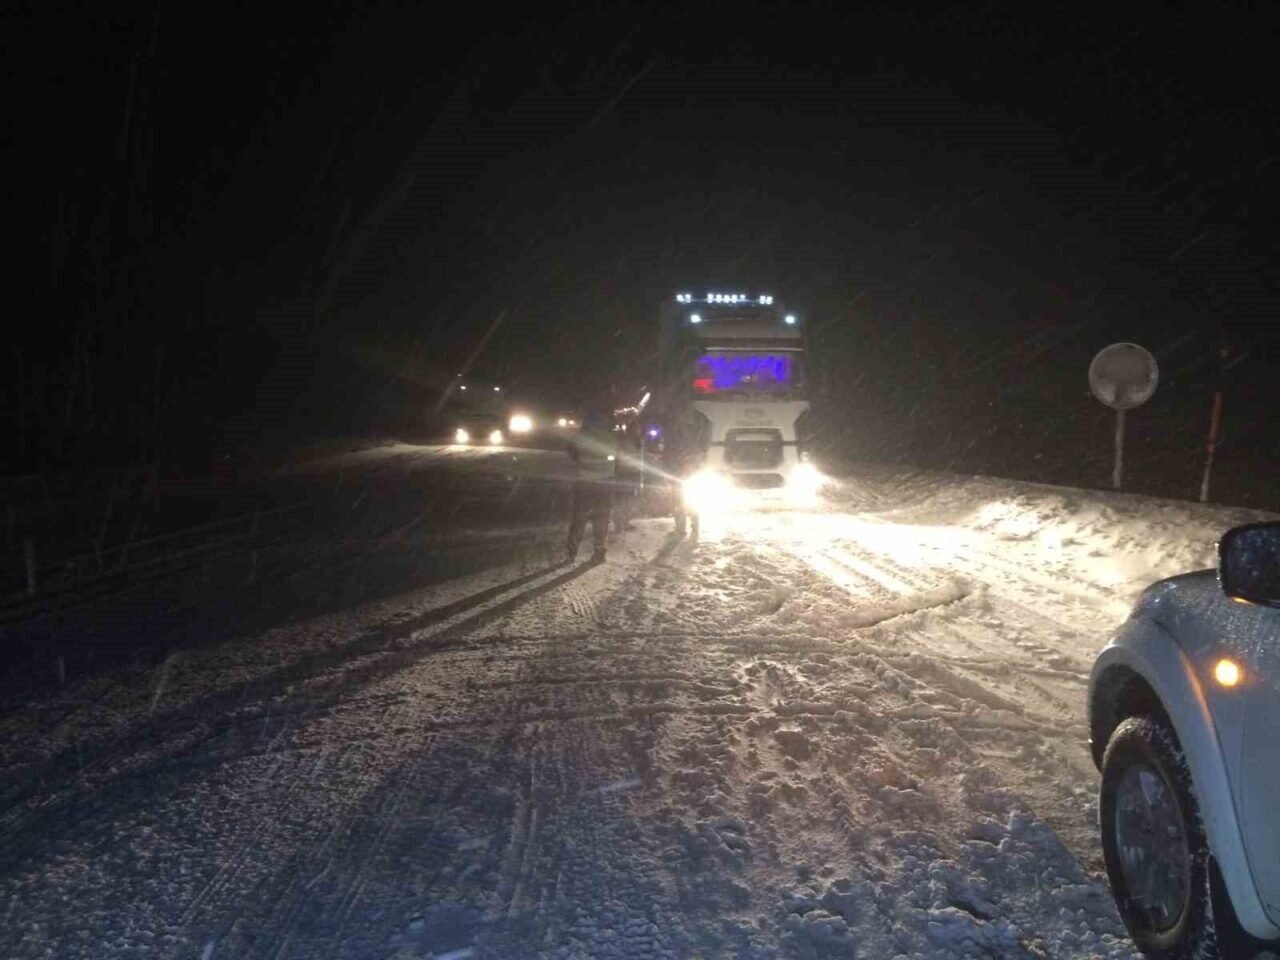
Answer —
(753, 448)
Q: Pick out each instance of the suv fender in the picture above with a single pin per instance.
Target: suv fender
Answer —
(1144, 660)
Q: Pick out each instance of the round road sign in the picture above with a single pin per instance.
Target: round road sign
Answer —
(1123, 376)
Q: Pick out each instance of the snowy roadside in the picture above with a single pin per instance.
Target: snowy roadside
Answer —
(854, 732)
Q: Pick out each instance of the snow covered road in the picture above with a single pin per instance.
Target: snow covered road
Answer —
(853, 732)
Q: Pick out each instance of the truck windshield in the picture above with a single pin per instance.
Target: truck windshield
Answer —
(733, 373)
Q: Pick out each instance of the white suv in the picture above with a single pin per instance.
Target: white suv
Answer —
(1184, 714)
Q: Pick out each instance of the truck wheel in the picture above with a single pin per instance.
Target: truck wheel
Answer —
(1153, 843)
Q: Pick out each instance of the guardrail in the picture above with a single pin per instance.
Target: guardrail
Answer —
(175, 551)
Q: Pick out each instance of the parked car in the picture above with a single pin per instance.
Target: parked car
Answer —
(1184, 716)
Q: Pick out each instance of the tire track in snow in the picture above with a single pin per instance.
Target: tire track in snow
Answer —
(1037, 736)
(264, 824)
(998, 573)
(886, 597)
(315, 684)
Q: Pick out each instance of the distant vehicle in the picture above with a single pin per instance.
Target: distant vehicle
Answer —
(1184, 716)
(476, 412)
(479, 411)
(478, 429)
(732, 371)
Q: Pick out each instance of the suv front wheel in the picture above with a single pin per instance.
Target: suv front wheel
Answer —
(1153, 843)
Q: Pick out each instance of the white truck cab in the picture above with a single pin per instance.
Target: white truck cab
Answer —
(737, 362)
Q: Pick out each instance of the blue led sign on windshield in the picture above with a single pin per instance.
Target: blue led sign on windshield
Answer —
(752, 372)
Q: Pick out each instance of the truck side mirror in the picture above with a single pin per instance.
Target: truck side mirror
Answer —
(1249, 563)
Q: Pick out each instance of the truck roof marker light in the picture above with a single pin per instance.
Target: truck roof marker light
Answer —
(789, 319)
(695, 318)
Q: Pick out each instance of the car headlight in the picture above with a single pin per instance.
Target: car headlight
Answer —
(461, 436)
(707, 492)
(495, 436)
(805, 480)
(520, 423)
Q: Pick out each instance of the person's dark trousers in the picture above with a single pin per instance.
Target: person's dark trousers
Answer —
(591, 501)
(686, 519)
(625, 499)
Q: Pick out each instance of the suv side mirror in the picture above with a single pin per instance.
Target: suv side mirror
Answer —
(1249, 563)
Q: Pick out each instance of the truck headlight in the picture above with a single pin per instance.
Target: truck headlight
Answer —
(707, 492)
(805, 480)
(495, 437)
(461, 436)
(520, 423)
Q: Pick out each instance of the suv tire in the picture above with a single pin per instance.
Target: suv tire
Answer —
(1144, 763)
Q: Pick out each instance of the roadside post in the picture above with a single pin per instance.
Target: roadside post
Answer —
(1215, 421)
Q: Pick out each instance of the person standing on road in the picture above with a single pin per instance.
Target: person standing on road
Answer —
(626, 476)
(682, 455)
(592, 452)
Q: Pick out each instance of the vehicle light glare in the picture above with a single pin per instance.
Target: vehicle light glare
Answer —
(695, 318)
(495, 436)
(461, 436)
(805, 480)
(520, 423)
(789, 319)
(562, 422)
(707, 492)
(1227, 672)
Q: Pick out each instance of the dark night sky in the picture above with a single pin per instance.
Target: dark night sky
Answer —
(272, 224)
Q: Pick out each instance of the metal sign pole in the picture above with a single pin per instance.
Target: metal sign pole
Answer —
(1118, 471)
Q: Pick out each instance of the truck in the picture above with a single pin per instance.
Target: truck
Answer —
(732, 370)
